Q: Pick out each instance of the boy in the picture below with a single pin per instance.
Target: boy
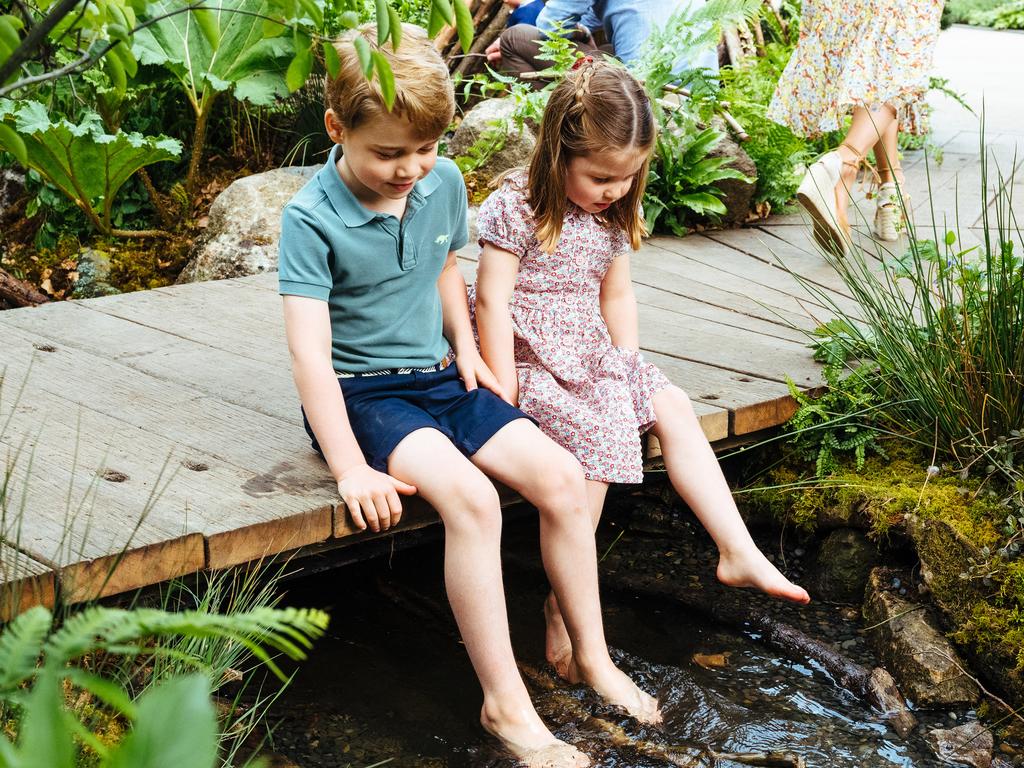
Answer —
(396, 397)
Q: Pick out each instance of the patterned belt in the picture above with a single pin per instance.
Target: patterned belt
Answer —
(447, 360)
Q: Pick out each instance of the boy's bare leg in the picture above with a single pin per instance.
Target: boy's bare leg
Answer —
(696, 475)
(558, 646)
(469, 507)
(523, 458)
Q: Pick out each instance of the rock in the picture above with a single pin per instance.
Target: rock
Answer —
(737, 195)
(245, 226)
(969, 744)
(512, 145)
(911, 647)
(93, 275)
(842, 566)
(12, 186)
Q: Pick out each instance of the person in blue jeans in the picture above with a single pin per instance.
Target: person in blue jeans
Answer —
(624, 25)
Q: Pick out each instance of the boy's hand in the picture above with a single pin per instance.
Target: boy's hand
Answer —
(372, 497)
(474, 373)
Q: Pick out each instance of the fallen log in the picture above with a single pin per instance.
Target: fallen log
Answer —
(19, 293)
(875, 685)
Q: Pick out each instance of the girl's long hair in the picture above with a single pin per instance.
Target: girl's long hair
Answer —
(598, 107)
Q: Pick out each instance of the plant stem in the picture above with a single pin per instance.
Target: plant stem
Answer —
(199, 140)
(140, 233)
(35, 37)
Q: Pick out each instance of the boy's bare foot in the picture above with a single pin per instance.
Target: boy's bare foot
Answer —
(611, 683)
(524, 734)
(750, 568)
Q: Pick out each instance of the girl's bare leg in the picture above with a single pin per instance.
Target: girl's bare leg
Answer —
(696, 475)
(469, 507)
(527, 461)
(558, 646)
(866, 129)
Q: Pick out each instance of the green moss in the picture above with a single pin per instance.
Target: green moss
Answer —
(950, 521)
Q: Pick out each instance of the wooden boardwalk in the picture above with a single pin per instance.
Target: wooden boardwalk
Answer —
(160, 432)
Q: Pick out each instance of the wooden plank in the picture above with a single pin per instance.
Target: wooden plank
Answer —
(262, 491)
(753, 403)
(24, 582)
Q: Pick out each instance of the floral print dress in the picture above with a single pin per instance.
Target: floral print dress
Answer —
(588, 395)
(859, 53)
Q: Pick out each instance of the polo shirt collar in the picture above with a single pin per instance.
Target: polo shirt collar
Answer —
(347, 205)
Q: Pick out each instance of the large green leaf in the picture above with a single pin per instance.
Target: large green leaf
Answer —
(85, 162)
(175, 725)
(43, 740)
(238, 55)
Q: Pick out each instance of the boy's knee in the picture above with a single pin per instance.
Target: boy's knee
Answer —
(562, 483)
(475, 505)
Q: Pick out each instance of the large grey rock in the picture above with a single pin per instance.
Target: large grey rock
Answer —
(245, 226)
(93, 275)
(922, 660)
(12, 186)
(510, 146)
(842, 566)
(737, 195)
(968, 744)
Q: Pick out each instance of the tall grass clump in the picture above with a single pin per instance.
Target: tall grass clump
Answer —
(943, 323)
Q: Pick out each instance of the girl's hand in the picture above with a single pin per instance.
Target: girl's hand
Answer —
(372, 497)
(474, 373)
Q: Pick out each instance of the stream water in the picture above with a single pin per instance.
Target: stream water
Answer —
(391, 682)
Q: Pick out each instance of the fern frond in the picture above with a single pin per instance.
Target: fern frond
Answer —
(20, 644)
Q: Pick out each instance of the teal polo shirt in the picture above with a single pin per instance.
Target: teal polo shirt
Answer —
(377, 273)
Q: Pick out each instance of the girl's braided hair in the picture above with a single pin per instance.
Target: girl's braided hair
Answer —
(598, 107)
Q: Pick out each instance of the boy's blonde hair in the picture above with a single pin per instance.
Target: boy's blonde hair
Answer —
(423, 89)
(598, 107)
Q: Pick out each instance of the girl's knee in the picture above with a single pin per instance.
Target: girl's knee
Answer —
(672, 402)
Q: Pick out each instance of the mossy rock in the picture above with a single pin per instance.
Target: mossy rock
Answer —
(947, 519)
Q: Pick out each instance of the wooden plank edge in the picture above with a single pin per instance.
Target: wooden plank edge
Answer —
(269, 537)
(132, 569)
(24, 583)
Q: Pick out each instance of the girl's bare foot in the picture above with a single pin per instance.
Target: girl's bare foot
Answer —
(749, 567)
(523, 733)
(558, 646)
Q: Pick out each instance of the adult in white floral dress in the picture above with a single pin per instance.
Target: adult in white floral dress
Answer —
(588, 395)
(871, 59)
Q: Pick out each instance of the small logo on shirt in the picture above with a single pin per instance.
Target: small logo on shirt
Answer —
(441, 239)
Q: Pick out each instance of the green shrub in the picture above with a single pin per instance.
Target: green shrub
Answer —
(945, 326)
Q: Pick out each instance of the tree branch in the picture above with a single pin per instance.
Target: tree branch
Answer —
(35, 37)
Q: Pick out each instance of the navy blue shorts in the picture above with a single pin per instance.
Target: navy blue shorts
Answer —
(384, 409)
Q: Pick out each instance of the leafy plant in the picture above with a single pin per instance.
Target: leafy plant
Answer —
(38, 671)
(1007, 15)
(82, 160)
(945, 325)
(840, 420)
(682, 179)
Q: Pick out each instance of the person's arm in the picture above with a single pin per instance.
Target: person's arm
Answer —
(495, 281)
(618, 305)
(370, 496)
(459, 330)
(568, 12)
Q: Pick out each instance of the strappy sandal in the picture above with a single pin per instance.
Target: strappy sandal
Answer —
(817, 194)
(890, 210)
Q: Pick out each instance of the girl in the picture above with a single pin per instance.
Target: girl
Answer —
(557, 318)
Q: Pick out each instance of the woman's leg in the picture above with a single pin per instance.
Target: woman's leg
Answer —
(468, 505)
(696, 475)
(546, 475)
(887, 158)
(558, 646)
(866, 129)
